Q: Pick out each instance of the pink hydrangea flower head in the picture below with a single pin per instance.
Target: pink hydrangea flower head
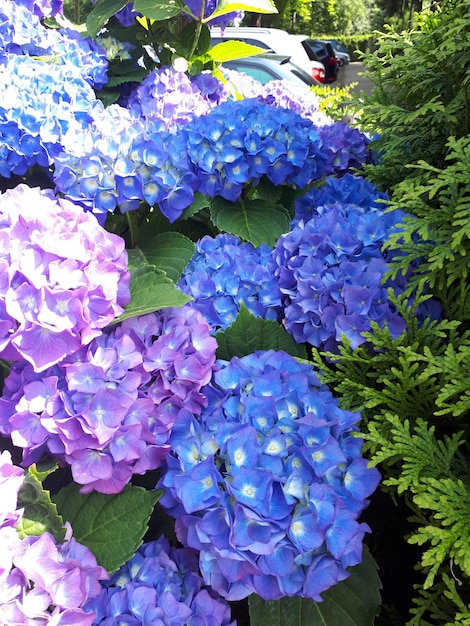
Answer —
(64, 277)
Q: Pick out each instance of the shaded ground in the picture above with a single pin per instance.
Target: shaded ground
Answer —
(351, 73)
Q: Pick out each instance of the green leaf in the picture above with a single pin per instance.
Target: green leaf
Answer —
(256, 6)
(169, 252)
(254, 220)
(40, 513)
(111, 526)
(101, 13)
(159, 10)
(229, 50)
(249, 333)
(352, 602)
(151, 290)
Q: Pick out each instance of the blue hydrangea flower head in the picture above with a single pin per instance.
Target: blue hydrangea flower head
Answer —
(225, 272)
(346, 189)
(331, 270)
(265, 483)
(161, 585)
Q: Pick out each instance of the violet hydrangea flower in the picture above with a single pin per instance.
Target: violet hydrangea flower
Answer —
(160, 585)
(225, 272)
(331, 270)
(43, 8)
(64, 277)
(41, 581)
(108, 410)
(268, 483)
(176, 98)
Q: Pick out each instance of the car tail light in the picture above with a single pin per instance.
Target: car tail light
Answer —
(318, 74)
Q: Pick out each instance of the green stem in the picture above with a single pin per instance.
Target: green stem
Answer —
(198, 28)
(133, 227)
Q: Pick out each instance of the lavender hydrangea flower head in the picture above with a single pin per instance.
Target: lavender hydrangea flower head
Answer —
(176, 98)
(268, 483)
(41, 581)
(346, 147)
(108, 410)
(63, 277)
(160, 585)
(330, 271)
(225, 272)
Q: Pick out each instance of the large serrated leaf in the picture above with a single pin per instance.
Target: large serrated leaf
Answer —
(151, 290)
(352, 602)
(159, 10)
(101, 13)
(111, 526)
(249, 333)
(254, 220)
(40, 513)
(169, 252)
(229, 50)
(256, 6)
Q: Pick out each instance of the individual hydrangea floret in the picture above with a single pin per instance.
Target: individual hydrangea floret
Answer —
(347, 189)
(64, 277)
(41, 581)
(108, 410)
(331, 270)
(160, 585)
(226, 272)
(268, 483)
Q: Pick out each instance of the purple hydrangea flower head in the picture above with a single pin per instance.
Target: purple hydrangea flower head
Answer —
(64, 277)
(49, 583)
(160, 585)
(346, 147)
(108, 410)
(203, 9)
(43, 8)
(278, 93)
(176, 98)
(264, 482)
(330, 271)
(225, 272)
(41, 581)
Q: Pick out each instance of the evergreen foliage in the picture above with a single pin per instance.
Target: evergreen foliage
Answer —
(414, 391)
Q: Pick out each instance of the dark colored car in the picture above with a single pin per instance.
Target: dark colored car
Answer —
(267, 67)
(323, 50)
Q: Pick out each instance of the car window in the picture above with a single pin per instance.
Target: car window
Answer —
(259, 73)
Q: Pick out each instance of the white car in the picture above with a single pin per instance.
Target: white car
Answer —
(275, 40)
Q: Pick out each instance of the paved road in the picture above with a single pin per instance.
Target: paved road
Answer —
(351, 73)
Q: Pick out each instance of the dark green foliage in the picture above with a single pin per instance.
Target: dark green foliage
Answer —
(422, 96)
(414, 392)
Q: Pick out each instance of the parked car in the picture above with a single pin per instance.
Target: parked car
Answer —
(341, 51)
(275, 40)
(322, 50)
(270, 66)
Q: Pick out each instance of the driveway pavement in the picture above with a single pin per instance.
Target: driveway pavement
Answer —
(351, 73)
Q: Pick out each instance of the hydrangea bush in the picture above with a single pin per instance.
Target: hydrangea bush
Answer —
(172, 241)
